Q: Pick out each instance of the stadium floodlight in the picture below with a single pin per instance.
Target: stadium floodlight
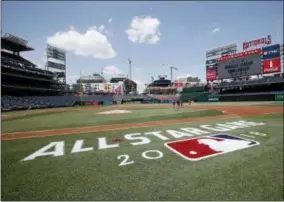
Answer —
(15, 39)
(129, 62)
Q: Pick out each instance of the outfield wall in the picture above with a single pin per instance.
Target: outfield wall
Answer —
(268, 96)
(192, 93)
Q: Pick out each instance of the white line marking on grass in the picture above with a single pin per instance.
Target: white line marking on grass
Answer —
(160, 154)
(248, 136)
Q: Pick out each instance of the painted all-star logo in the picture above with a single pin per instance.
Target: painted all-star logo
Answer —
(59, 148)
(209, 146)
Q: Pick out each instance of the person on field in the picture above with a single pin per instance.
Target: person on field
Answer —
(174, 102)
(180, 102)
(189, 102)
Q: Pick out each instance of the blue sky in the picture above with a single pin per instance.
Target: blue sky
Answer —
(175, 33)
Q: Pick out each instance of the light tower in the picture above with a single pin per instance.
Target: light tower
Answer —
(129, 62)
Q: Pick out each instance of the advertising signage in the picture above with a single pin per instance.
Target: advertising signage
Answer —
(56, 65)
(279, 97)
(231, 48)
(55, 53)
(211, 74)
(271, 66)
(270, 52)
(262, 41)
(240, 66)
(239, 55)
(211, 64)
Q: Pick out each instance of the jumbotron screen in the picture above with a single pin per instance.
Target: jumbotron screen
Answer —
(239, 65)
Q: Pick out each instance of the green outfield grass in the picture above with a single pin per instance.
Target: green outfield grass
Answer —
(54, 120)
(249, 103)
(251, 174)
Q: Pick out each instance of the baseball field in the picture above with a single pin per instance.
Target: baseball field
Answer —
(210, 151)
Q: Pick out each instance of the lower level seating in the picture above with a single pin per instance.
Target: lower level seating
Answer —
(14, 102)
(26, 102)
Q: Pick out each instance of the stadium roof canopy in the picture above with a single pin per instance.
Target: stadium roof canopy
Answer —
(15, 44)
(160, 83)
(117, 79)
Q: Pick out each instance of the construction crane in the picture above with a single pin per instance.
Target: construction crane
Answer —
(171, 69)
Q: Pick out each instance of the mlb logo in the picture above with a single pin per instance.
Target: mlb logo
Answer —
(209, 146)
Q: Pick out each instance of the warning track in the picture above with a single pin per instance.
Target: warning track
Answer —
(232, 112)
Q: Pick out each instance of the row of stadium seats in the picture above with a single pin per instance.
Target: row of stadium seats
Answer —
(9, 102)
(14, 102)
(162, 97)
(14, 61)
(260, 81)
(255, 93)
(104, 98)
(129, 97)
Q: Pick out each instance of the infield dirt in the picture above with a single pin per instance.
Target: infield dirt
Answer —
(231, 112)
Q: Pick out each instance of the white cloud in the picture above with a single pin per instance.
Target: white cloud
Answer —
(216, 30)
(109, 20)
(93, 42)
(101, 28)
(111, 70)
(144, 30)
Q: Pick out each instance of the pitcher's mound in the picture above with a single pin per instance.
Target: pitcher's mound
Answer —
(116, 112)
